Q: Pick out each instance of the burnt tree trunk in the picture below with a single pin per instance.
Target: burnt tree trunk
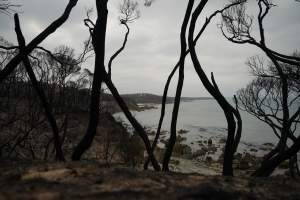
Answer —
(212, 88)
(270, 165)
(98, 41)
(39, 91)
(166, 88)
(37, 40)
(172, 140)
(136, 125)
(162, 113)
(100, 76)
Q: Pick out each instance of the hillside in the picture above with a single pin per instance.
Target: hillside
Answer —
(156, 99)
(93, 180)
(133, 101)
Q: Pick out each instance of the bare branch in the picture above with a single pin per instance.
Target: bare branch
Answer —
(37, 40)
(7, 7)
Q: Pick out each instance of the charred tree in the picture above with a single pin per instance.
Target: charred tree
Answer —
(98, 41)
(236, 27)
(136, 125)
(183, 45)
(39, 91)
(37, 40)
(229, 111)
(167, 84)
(100, 75)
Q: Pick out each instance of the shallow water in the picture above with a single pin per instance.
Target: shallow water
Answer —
(205, 118)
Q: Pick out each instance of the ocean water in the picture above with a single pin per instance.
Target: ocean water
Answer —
(205, 119)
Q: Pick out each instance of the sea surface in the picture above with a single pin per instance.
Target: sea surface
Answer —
(205, 118)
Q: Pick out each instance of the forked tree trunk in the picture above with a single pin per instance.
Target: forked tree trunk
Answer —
(39, 91)
(172, 140)
(13, 63)
(100, 76)
(166, 88)
(212, 88)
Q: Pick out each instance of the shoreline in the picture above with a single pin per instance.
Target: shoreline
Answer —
(202, 153)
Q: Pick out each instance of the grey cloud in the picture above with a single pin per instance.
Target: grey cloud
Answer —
(153, 45)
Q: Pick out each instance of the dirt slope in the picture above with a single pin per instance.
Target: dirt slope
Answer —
(93, 180)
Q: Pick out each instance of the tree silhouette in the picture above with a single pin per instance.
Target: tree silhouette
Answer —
(278, 84)
(129, 13)
(25, 50)
(37, 40)
(232, 115)
(40, 92)
(231, 147)
(22, 56)
(183, 46)
(262, 99)
(236, 27)
(175, 68)
(98, 32)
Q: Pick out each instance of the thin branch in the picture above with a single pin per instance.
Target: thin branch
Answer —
(37, 40)
(119, 50)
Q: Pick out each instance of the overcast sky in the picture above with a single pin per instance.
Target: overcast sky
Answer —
(153, 45)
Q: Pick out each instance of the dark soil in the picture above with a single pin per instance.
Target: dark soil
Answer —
(93, 180)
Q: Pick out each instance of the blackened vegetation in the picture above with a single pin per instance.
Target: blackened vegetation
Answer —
(13, 63)
(98, 40)
(24, 51)
(273, 90)
(51, 87)
(183, 45)
(98, 32)
(231, 113)
(39, 91)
